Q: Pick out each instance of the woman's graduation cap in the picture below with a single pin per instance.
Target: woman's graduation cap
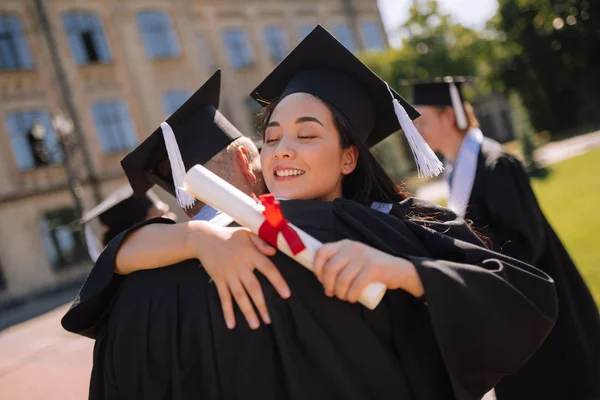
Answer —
(192, 135)
(441, 92)
(320, 65)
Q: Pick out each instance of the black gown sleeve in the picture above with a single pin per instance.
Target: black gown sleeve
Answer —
(489, 312)
(92, 303)
(516, 225)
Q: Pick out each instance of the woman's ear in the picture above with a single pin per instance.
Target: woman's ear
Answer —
(349, 160)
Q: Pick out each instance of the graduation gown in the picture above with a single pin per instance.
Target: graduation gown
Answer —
(160, 333)
(503, 207)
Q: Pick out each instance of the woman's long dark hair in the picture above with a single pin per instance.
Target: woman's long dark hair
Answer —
(368, 182)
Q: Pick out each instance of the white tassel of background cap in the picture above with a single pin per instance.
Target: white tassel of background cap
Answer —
(428, 164)
(457, 105)
(91, 242)
(184, 199)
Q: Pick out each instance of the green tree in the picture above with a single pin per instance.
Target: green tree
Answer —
(552, 58)
(524, 131)
(434, 45)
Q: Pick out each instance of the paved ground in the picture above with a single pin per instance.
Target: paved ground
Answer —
(39, 360)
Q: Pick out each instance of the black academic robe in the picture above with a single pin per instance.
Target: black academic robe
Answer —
(160, 333)
(503, 207)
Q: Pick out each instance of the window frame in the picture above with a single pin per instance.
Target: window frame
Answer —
(277, 43)
(241, 57)
(79, 25)
(18, 125)
(52, 233)
(14, 40)
(153, 24)
(114, 126)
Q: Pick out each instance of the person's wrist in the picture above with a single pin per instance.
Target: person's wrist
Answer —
(406, 277)
(192, 244)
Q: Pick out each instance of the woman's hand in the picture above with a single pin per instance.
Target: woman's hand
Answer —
(346, 268)
(230, 256)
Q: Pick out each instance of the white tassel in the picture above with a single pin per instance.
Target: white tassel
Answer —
(428, 164)
(184, 199)
(457, 105)
(91, 242)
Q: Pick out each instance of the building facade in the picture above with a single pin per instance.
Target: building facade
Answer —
(117, 69)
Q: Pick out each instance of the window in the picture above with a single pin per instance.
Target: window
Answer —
(238, 48)
(113, 126)
(158, 34)
(344, 34)
(305, 30)
(207, 54)
(276, 43)
(173, 100)
(372, 36)
(14, 50)
(63, 245)
(32, 149)
(86, 38)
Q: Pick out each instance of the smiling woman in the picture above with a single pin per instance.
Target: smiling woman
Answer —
(302, 157)
(294, 146)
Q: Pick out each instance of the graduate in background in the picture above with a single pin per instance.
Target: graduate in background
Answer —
(491, 188)
(485, 313)
(120, 211)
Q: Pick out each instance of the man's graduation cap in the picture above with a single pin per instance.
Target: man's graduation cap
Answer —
(320, 65)
(192, 135)
(119, 211)
(441, 92)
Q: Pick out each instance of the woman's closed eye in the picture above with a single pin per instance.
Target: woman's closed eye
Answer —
(307, 137)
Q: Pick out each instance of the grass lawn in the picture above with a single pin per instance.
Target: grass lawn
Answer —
(570, 198)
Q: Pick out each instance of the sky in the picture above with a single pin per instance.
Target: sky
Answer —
(472, 13)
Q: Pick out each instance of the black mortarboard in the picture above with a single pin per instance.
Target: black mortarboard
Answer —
(119, 208)
(192, 135)
(119, 211)
(320, 65)
(441, 92)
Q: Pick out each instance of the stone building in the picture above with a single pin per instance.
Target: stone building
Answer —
(117, 69)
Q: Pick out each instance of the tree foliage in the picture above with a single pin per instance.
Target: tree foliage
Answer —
(548, 51)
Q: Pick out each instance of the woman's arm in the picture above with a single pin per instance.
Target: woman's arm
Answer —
(157, 245)
(229, 255)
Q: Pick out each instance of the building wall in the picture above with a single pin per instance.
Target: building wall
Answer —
(130, 76)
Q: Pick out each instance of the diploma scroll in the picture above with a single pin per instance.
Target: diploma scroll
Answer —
(216, 192)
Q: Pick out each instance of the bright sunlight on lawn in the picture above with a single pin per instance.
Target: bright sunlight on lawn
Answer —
(570, 198)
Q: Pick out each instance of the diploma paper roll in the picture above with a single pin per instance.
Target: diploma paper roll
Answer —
(218, 193)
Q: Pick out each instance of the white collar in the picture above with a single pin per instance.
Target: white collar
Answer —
(208, 213)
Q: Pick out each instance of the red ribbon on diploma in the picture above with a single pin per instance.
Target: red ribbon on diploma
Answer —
(275, 223)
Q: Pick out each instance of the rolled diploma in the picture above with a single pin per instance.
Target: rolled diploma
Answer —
(220, 194)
